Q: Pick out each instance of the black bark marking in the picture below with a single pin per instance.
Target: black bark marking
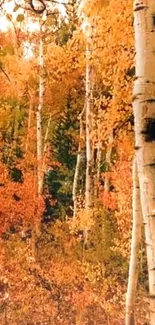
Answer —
(131, 71)
(152, 100)
(137, 147)
(149, 130)
(135, 97)
(138, 8)
(131, 120)
(149, 101)
(150, 165)
(153, 19)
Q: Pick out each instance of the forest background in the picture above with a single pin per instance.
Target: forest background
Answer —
(66, 153)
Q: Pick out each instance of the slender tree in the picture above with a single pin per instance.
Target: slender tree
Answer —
(89, 146)
(97, 164)
(29, 121)
(136, 238)
(39, 112)
(108, 160)
(77, 167)
(144, 112)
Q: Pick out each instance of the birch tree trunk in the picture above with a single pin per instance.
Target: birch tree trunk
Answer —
(108, 161)
(89, 146)
(38, 115)
(97, 169)
(77, 169)
(29, 123)
(44, 154)
(144, 112)
(135, 244)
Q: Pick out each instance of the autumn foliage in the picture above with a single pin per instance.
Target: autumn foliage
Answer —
(49, 273)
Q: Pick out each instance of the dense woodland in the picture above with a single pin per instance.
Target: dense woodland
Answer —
(77, 157)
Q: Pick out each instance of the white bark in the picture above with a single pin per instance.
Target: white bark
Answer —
(97, 169)
(108, 161)
(89, 147)
(135, 244)
(144, 111)
(44, 155)
(99, 158)
(77, 168)
(38, 114)
(29, 123)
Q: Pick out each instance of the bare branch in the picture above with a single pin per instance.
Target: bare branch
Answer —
(1, 3)
(29, 5)
(38, 11)
(5, 74)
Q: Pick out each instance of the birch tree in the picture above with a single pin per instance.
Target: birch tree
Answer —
(98, 168)
(39, 112)
(29, 121)
(89, 146)
(108, 160)
(77, 167)
(135, 242)
(144, 112)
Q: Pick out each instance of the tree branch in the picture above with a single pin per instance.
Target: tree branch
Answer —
(5, 74)
(38, 11)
